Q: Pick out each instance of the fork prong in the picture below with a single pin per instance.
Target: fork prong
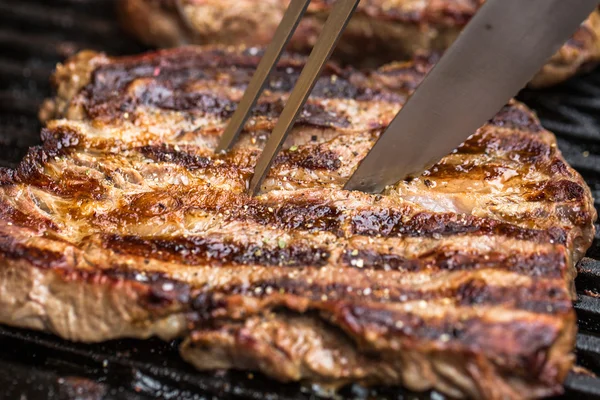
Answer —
(273, 52)
(334, 26)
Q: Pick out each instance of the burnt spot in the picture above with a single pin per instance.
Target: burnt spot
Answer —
(217, 251)
(513, 117)
(167, 154)
(388, 223)
(558, 191)
(42, 258)
(310, 158)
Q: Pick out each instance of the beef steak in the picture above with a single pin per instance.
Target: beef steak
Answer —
(124, 223)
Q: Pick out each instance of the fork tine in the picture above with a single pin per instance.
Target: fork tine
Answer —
(284, 32)
(334, 26)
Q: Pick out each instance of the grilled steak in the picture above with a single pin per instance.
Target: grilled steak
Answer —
(381, 30)
(124, 223)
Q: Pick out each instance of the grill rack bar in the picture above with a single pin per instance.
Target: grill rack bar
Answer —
(34, 36)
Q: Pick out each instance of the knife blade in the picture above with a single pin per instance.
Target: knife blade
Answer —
(496, 55)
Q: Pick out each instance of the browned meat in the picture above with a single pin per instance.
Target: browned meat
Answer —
(124, 223)
(381, 31)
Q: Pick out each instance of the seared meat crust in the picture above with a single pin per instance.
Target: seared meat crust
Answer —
(124, 223)
(381, 31)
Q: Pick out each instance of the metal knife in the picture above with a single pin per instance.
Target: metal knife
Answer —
(498, 52)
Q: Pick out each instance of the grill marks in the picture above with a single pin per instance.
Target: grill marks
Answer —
(216, 251)
(550, 265)
(320, 215)
(168, 154)
(167, 83)
(516, 118)
(390, 223)
(43, 258)
(529, 339)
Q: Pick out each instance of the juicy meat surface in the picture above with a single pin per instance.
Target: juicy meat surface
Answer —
(124, 223)
(380, 31)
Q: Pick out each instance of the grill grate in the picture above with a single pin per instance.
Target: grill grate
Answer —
(34, 36)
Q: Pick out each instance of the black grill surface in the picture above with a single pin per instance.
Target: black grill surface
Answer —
(34, 36)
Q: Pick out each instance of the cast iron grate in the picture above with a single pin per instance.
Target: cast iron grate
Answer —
(34, 36)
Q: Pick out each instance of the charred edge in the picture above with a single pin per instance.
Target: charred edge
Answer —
(388, 223)
(216, 251)
(517, 147)
(513, 117)
(32, 165)
(543, 297)
(7, 176)
(11, 214)
(70, 184)
(312, 158)
(547, 265)
(520, 345)
(558, 191)
(61, 138)
(39, 257)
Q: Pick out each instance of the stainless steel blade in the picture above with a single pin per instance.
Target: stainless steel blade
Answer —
(269, 60)
(499, 51)
(334, 26)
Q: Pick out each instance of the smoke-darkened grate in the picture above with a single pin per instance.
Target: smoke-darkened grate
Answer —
(34, 36)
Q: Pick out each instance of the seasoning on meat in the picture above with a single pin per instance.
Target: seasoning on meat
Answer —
(124, 223)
